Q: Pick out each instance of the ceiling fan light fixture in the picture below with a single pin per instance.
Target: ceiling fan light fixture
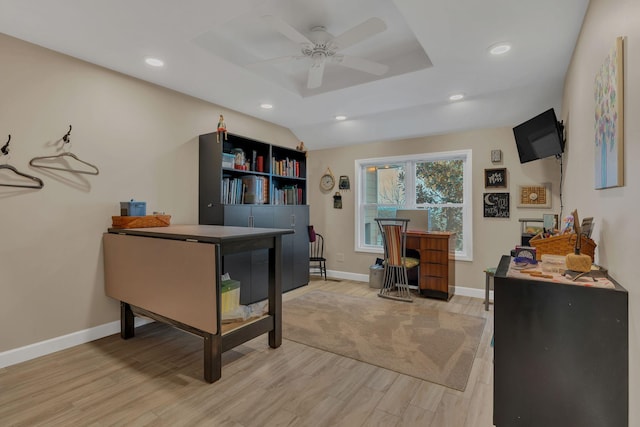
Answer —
(154, 62)
(499, 48)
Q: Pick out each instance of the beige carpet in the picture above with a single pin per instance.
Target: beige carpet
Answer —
(432, 345)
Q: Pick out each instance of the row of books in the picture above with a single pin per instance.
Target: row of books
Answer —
(232, 191)
(286, 167)
(247, 189)
(287, 195)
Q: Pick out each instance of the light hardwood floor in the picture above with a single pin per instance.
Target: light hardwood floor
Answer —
(156, 379)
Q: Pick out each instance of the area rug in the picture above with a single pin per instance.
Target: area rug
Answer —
(433, 345)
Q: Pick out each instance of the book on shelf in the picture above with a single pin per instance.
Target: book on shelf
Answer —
(286, 167)
(287, 195)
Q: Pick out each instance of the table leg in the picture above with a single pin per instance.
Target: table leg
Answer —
(127, 326)
(212, 357)
(275, 292)
(486, 295)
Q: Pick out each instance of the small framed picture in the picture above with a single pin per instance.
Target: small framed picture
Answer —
(495, 178)
(534, 196)
(343, 183)
(496, 205)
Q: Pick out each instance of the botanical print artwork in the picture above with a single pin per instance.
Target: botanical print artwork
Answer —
(608, 121)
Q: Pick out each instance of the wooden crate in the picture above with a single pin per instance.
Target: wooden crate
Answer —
(141, 221)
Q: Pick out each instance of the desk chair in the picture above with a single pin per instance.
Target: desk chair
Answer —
(395, 284)
(317, 261)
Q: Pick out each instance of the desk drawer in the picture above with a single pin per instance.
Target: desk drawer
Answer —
(434, 257)
(434, 270)
(435, 283)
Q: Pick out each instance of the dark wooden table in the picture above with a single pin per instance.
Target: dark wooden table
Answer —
(172, 275)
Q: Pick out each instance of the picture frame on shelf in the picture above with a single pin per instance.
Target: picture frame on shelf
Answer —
(495, 178)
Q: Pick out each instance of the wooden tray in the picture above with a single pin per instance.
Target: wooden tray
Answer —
(141, 221)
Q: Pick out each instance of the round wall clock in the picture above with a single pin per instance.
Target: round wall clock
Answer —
(327, 181)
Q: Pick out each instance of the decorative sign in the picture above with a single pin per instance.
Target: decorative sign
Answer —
(495, 178)
(337, 200)
(496, 205)
(343, 183)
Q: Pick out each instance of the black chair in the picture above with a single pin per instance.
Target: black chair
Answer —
(317, 261)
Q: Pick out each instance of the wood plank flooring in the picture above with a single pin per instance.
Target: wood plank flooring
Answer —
(156, 379)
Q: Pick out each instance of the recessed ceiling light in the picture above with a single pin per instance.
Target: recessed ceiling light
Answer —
(154, 62)
(341, 117)
(500, 48)
(266, 106)
(456, 97)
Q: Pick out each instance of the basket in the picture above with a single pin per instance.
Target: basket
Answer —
(141, 221)
(561, 245)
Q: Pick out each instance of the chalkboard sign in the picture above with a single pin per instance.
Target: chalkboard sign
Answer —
(496, 205)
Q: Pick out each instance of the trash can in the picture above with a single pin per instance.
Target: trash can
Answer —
(376, 274)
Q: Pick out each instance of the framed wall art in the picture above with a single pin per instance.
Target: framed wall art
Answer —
(534, 196)
(609, 141)
(495, 178)
(496, 205)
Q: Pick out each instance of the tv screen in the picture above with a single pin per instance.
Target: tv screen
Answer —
(539, 137)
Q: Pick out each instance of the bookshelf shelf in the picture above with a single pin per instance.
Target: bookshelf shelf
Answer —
(265, 187)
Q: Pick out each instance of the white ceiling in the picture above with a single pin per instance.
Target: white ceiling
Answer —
(434, 48)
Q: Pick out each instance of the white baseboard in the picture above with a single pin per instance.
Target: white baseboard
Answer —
(460, 290)
(42, 348)
(22, 354)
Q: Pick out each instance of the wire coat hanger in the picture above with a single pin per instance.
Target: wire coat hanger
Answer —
(38, 182)
(66, 138)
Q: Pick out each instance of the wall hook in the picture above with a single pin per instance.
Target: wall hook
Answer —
(67, 138)
(5, 147)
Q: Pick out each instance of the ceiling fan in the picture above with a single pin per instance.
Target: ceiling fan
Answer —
(320, 47)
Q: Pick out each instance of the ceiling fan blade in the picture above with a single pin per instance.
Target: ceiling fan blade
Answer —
(361, 64)
(286, 30)
(314, 80)
(368, 28)
(276, 61)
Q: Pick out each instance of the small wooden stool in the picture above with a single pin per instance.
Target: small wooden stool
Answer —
(488, 273)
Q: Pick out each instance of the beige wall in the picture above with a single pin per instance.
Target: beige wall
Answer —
(144, 140)
(492, 237)
(616, 209)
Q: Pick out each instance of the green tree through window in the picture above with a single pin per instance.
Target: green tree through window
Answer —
(439, 183)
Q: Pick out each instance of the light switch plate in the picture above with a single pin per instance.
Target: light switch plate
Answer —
(496, 156)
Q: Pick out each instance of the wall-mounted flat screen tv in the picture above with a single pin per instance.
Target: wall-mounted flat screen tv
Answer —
(539, 137)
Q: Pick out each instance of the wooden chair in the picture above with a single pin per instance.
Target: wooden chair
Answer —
(317, 261)
(395, 284)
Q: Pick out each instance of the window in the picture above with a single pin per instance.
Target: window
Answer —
(439, 183)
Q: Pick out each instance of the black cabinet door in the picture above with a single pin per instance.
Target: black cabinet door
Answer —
(300, 246)
(284, 218)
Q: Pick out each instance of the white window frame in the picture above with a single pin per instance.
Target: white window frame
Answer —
(466, 254)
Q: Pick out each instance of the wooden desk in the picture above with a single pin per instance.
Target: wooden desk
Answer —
(172, 275)
(437, 266)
